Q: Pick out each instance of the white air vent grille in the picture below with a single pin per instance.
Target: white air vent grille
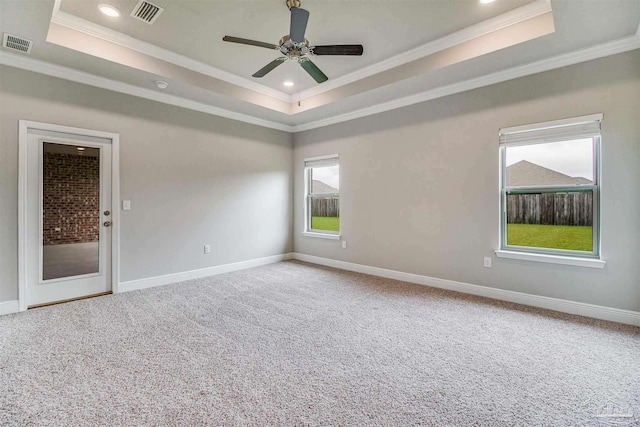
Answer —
(16, 43)
(147, 12)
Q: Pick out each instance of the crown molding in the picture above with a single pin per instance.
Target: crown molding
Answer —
(66, 73)
(94, 30)
(515, 16)
(598, 51)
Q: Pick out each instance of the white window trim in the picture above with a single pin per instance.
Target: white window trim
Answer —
(593, 260)
(307, 231)
(320, 235)
(552, 259)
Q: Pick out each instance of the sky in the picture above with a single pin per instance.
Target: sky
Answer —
(328, 175)
(573, 158)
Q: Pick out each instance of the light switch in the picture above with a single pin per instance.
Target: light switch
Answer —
(126, 205)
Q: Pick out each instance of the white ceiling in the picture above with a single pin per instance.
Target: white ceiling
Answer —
(408, 46)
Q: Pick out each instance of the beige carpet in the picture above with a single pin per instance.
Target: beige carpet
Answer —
(295, 344)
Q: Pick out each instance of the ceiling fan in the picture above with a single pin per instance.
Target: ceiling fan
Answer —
(296, 48)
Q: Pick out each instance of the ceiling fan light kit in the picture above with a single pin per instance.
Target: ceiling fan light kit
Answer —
(295, 47)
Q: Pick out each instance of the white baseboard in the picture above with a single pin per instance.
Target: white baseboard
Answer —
(8, 307)
(167, 279)
(565, 306)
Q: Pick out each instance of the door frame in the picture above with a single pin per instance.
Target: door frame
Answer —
(24, 126)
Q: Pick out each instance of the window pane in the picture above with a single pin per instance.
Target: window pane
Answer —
(325, 179)
(325, 214)
(559, 220)
(70, 210)
(557, 163)
(325, 211)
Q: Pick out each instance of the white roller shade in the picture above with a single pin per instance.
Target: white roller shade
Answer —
(317, 162)
(560, 130)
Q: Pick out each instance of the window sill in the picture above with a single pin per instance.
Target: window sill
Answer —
(321, 235)
(552, 259)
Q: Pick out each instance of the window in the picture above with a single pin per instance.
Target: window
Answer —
(322, 196)
(550, 188)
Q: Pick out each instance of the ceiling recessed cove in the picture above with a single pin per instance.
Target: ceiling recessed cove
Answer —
(146, 11)
(16, 43)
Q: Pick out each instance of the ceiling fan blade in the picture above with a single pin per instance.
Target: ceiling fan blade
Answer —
(269, 67)
(313, 71)
(338, 49)
(249, 42)
(299, 19)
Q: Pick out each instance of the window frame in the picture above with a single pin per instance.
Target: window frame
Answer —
(562, 256)
(309, 196)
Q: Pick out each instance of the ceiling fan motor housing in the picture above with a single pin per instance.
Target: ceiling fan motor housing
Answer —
(293, 50)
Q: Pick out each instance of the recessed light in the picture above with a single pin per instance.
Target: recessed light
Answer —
(288, 84)
(162, 85)
(80, 148)
(109, 10)
(486, 1)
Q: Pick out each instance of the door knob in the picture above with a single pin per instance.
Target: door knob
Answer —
(107, 213)
(107, 224)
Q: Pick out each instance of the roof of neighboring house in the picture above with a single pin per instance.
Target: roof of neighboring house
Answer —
(582, 180)
(321, 187)
(525, 173)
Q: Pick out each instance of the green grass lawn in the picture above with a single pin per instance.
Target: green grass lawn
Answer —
(325, 223)
(568, 237)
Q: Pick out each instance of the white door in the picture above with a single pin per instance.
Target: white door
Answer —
(68, 216)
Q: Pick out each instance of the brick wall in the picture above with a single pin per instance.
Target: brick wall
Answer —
(71, 192)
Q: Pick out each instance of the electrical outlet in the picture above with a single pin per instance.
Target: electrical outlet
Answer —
(487, 261)
(344, 244)
(207, 249)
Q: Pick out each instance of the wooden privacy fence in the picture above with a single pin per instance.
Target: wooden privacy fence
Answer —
(551, 208)
(328, 206)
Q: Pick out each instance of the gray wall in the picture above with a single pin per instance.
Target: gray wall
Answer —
(192, 178)
(419, 185)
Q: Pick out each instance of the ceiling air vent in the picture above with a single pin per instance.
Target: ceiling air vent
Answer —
(16, 43)
(147, 12)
